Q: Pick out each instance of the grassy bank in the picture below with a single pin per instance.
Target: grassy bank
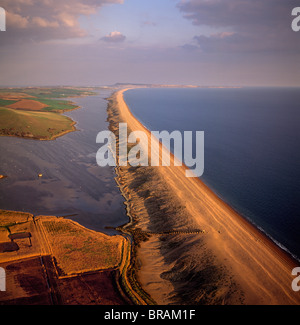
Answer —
(57, 261)
(34, 125)
(34, 112)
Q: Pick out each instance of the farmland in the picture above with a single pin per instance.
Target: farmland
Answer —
(78, 249)
(34, 125)
(50, 260)
(35, 113)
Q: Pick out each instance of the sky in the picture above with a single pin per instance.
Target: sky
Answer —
(196, 42)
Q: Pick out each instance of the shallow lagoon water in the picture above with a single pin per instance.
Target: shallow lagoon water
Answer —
(72, 182)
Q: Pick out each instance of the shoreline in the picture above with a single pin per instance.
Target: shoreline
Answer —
(253, 268)
(72, 124)
(128, 277)
(291, 258)
(57, 261)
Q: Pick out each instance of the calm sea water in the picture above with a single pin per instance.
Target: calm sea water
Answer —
(252, 155)
(72, 182)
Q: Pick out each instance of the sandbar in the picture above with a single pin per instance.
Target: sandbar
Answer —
(230, 262)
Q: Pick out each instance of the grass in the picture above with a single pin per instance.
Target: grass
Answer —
(28, 120)
(75, 248)
(5, 102)
(45, 92)
(36, 125)
(56, 92)
(10, 218)
(57, 105)
(12, 222)
(78, 250)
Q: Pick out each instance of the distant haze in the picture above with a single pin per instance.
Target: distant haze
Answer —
(198, 42)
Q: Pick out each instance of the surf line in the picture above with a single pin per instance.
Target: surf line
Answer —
(134, 149)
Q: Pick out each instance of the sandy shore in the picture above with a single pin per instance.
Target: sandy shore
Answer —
(231, 262)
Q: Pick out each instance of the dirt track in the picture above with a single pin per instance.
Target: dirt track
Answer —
(32, 282)
(33, 272)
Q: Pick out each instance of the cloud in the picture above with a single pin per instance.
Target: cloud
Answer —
(41, 22)
(149, 23)
(55, 19)
(189, 47)
(16, 20)
(226, 42)
(114, 37)
(243, 25)
(238, 13)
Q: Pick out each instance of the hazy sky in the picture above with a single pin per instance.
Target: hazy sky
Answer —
(100, 42)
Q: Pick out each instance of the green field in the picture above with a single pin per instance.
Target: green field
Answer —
(5, 102)
(45, 92)
(47, 96)
(28, 119)
(57, 105)
(58, 92)
(34, 125)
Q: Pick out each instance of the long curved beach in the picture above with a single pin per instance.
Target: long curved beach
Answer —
(228, 262)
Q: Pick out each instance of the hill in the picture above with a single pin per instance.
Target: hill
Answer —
(34, 125)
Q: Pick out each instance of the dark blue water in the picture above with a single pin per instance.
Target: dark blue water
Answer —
(252, 142)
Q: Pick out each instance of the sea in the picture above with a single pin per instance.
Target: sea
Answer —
(251, 148)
